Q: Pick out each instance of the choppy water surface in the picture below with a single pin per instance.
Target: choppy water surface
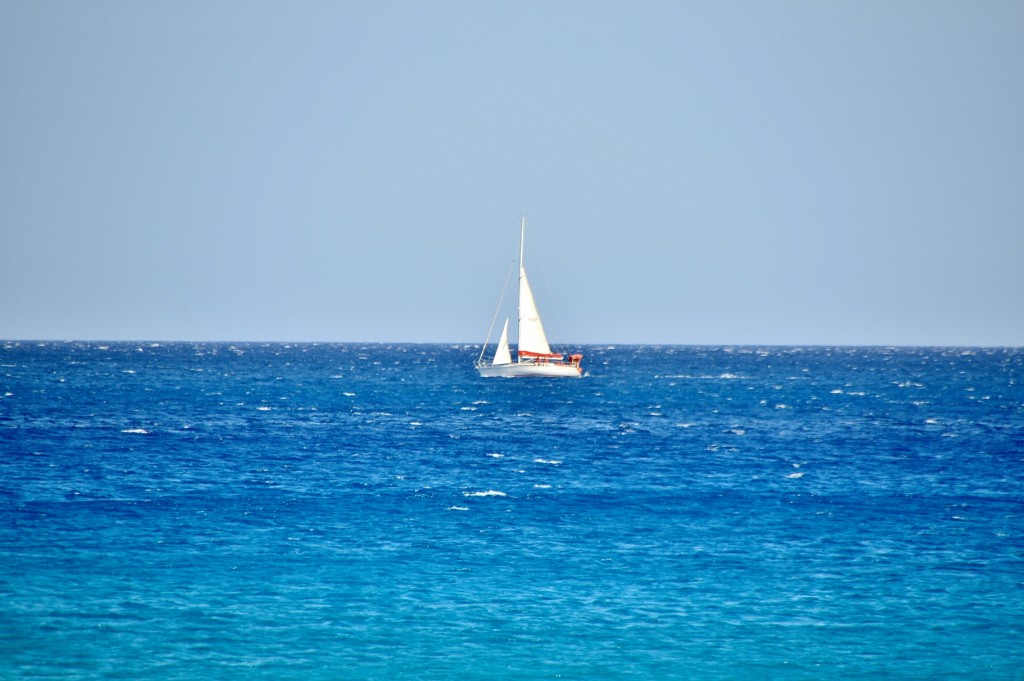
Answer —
(183, 511)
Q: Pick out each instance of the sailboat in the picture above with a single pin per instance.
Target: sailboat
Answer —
(533, 354)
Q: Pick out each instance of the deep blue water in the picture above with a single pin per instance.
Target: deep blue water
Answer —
(271, 511)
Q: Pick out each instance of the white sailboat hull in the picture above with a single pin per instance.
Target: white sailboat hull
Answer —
(527, 369)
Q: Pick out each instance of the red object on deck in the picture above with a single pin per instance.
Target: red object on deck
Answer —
(527, 353)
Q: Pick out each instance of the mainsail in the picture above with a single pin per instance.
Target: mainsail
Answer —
(531, 331)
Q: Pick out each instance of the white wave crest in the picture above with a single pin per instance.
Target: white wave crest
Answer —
(488, 493)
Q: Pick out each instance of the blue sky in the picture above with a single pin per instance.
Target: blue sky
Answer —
(691, 172)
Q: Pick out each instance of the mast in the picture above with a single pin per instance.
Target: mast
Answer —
(522, 275)
(522, 240)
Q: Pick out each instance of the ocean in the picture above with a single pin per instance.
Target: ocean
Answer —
(378, 511)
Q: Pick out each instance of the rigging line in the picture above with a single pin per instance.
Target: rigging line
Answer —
(496, 311)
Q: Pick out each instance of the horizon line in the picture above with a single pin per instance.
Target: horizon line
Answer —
(479, 344)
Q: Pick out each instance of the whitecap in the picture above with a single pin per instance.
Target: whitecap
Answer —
(495, 455)
(458, 508)
(138, 431)
(794, 476)
(488, 493)
(262, 408)
(542, 486)
(553, 462)
(349, 394)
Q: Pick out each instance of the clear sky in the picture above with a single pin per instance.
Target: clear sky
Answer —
(691, 172)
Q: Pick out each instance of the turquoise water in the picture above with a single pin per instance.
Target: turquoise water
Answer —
(270, 511)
